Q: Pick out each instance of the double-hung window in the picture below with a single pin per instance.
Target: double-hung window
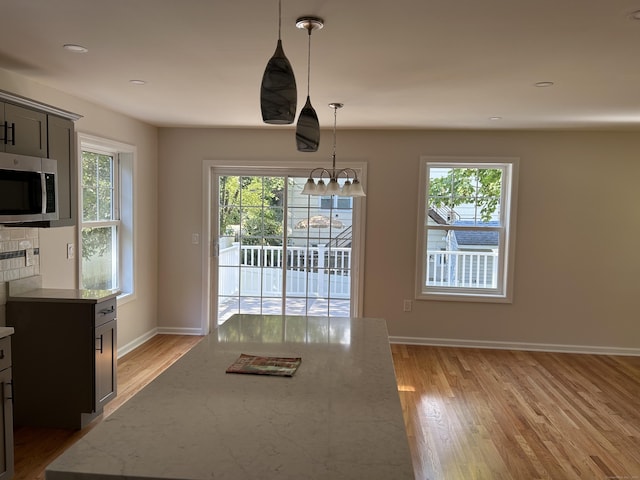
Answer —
(466, 228)
(106, 238)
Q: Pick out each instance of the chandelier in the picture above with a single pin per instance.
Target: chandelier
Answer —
(351, 186)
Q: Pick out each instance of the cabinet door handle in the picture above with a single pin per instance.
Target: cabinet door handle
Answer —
(6, 133)
(13, 133)
(106, 311)
(100, 340)
(6, 395)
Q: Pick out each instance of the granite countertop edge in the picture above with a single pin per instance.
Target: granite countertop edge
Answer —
(63, 295)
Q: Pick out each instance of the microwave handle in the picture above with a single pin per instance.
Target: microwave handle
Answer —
(43, 182)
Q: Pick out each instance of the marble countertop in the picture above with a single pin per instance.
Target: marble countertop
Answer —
(6, 331)
(30, 289)
(338, 418)
(63, 295)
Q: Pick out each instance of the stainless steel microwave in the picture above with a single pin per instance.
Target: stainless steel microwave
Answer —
(28, 189)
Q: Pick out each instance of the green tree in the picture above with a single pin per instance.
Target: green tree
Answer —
(462, 186)
(255, 205)
(97, 203)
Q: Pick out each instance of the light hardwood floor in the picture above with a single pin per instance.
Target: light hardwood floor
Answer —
(470, 413)
(496, 414)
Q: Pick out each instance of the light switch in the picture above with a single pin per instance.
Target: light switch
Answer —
(195, 238)
(71, 251)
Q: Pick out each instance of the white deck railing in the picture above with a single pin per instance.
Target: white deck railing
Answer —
(462, 269)
(255, 270)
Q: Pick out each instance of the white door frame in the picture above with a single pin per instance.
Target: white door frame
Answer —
(209, 242)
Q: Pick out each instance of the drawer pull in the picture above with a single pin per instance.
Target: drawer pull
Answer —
(8, 396)
(107, 311)
(100, 340)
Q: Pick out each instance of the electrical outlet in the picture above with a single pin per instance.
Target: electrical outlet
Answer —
(407, 305)
(195, 238)
(71, 251)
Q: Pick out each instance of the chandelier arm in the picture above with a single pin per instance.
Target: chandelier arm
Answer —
(322, 172)
(348, 172)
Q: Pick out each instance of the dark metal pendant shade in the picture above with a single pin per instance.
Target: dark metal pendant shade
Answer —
(278, 93)
(308, 129)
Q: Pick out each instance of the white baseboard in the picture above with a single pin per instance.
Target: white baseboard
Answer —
(179, 331)
(537, 347)
(136, 342)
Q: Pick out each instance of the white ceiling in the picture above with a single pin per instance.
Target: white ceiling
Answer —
(394, 64)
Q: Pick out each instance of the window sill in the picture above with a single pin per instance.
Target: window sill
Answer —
(125, 297)
(462, 297)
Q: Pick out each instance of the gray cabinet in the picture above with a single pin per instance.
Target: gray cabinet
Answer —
(32, 128)
(23, 130)
(64, 360)
(6, 411)
(61, 147)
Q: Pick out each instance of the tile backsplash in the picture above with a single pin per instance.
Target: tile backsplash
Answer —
(19, 258)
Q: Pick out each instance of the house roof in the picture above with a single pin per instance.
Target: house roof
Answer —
(410, 64)
(476, 237)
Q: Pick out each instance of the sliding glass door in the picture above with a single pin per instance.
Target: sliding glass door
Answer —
(280, 252)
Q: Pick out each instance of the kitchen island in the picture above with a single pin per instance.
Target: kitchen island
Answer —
(337, 418)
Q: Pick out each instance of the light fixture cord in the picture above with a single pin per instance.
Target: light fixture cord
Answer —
(309, 63)
(279, 17)
(335, 118)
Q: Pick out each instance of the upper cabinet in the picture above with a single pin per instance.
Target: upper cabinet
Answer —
(23, 130)
(61, 147)
(32, 128)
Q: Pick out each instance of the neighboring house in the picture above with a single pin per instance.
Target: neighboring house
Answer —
(474, 266)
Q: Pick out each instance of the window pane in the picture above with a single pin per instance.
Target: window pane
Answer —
(98, 258)
(465, 195)
(462, 258)
(326, 203)
(97, 183)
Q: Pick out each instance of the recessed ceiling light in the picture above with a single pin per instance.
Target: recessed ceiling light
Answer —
(543, 84)
(495, 119)
(137, 82)
(72, 47)
(635, 15)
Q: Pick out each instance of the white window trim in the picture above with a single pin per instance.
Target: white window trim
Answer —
(508, 213)
(126, 157)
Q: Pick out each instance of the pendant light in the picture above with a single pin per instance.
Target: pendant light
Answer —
(350, 188)
(308, 127)
(278, 93)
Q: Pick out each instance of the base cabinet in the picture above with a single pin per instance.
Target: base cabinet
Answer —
(64, 361)
(6, 413)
